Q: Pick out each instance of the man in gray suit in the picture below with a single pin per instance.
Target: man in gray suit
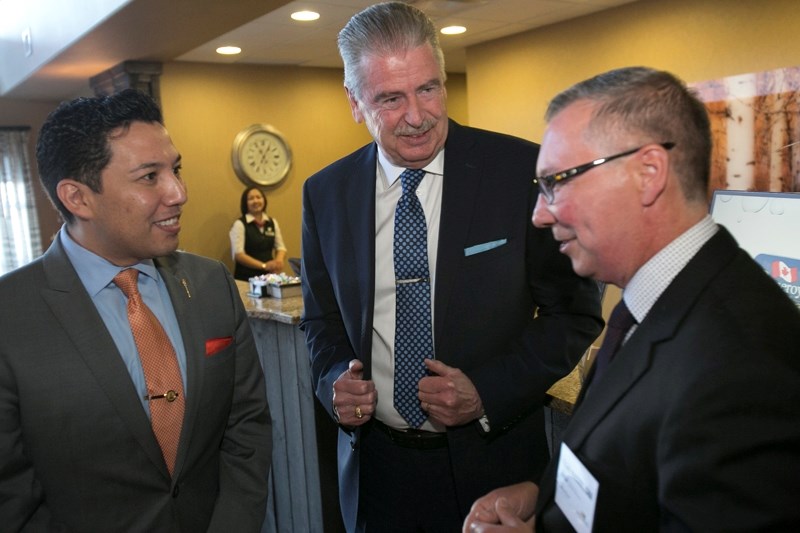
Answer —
(77, 450)
(693, 424)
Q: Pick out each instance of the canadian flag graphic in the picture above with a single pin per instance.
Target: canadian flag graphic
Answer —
(783, 271)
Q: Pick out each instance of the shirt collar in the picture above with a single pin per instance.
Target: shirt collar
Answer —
(95, 272)
(653, 278)
(249, 218)
(392, 172)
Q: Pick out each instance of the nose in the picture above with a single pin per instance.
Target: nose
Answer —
(414, 115)
(175, 193)
(542, 216)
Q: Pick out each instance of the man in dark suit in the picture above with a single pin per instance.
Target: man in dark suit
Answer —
(693, 424)
(77, 449)
(509, 315)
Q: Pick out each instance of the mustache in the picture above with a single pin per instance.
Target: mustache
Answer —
(426, 126)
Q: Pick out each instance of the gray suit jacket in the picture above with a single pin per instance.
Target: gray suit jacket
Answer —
(77, 452)
(695, 426)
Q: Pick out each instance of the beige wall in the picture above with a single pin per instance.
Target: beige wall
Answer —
(511, 80)
(205, 106)
(507, 88)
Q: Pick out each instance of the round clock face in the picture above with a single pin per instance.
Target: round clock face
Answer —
(261, 156)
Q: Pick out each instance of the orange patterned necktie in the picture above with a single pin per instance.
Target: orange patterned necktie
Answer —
(160, 364)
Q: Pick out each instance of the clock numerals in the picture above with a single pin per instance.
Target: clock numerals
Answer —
(261, 156)
(264, 157)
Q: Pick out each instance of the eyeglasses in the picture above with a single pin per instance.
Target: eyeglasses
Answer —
(548, 183)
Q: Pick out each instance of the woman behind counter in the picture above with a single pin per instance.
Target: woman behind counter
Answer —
(255, 237)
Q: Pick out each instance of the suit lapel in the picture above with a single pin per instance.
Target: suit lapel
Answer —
(78, 316)
(462, 175)
(359, 199)
(180, 287)
(661, 323)
(635, 357)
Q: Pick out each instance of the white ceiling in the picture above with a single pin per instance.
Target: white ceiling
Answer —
(276, 39)
(191, 30)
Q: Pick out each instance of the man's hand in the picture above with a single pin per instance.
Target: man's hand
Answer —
(354, 398)
(449, 396)
(505, 509)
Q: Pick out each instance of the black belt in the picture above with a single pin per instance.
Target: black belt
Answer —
(413, 438)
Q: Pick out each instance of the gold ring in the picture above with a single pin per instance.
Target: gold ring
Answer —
(359, 414)
(427, 406)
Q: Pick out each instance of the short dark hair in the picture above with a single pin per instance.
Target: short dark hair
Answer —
(655, 105)
(382, 29)
(243, 202)
(73, 142)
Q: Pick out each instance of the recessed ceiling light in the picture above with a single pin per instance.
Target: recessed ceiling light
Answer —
(229, 50)
(453, 30)
(305, 16)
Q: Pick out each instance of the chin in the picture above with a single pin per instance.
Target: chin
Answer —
(581, 268)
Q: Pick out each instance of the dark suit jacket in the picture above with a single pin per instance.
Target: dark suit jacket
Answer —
(77, 452)
(484, 303)
(695, 426)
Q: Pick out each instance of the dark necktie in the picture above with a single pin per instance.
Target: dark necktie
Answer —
(161, 372)
(413, 338)
(620, 321)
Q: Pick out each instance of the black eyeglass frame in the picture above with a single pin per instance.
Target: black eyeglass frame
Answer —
(547, 183)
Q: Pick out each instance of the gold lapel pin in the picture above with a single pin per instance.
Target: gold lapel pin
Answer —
(186, 287)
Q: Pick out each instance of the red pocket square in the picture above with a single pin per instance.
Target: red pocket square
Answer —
(216, 345)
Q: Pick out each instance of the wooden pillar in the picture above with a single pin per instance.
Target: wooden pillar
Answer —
(139, 75)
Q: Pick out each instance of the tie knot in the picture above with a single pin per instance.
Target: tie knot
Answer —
(410, 179)
(127, 281)
(621, 317)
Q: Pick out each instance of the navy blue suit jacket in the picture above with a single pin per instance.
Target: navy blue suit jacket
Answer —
(695, 426)
(484, 303)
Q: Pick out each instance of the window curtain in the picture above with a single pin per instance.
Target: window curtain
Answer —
(20, 239)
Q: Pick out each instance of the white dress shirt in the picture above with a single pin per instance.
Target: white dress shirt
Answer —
(387, 193)
(653, 278)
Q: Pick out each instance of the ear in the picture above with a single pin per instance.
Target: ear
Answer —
(76, 197)
(654, 173)
(354, 109)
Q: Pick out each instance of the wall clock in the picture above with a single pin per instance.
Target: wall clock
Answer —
(261, 156)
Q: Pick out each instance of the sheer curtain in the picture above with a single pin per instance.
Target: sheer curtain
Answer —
(20, 239)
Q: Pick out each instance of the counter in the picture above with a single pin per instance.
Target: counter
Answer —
(295, 499)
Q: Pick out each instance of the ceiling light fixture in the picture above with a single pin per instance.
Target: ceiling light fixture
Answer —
(453, 30)
(229, 50)
(305, 16)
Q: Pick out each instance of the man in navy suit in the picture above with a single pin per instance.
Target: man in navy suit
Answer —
(693, 424)
(77, 449)
(510, 317)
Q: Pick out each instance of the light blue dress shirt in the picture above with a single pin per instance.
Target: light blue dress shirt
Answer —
(97, 275)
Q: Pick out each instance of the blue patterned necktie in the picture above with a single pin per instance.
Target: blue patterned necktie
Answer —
(413, 340)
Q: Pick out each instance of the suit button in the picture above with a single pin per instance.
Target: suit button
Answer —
(175, 491)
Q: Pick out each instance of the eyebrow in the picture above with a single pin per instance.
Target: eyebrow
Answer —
(153, 164)
(390, 94)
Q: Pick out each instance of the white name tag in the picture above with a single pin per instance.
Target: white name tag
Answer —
(576, 491)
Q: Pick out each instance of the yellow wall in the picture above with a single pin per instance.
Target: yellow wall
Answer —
(205, 106)
(511, 80)
(507, 88)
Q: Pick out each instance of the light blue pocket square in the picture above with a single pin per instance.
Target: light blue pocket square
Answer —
(484, 247)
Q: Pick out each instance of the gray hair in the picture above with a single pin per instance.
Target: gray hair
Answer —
(382, 29)
(652, 104)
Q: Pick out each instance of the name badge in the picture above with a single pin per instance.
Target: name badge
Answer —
(576, 491)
